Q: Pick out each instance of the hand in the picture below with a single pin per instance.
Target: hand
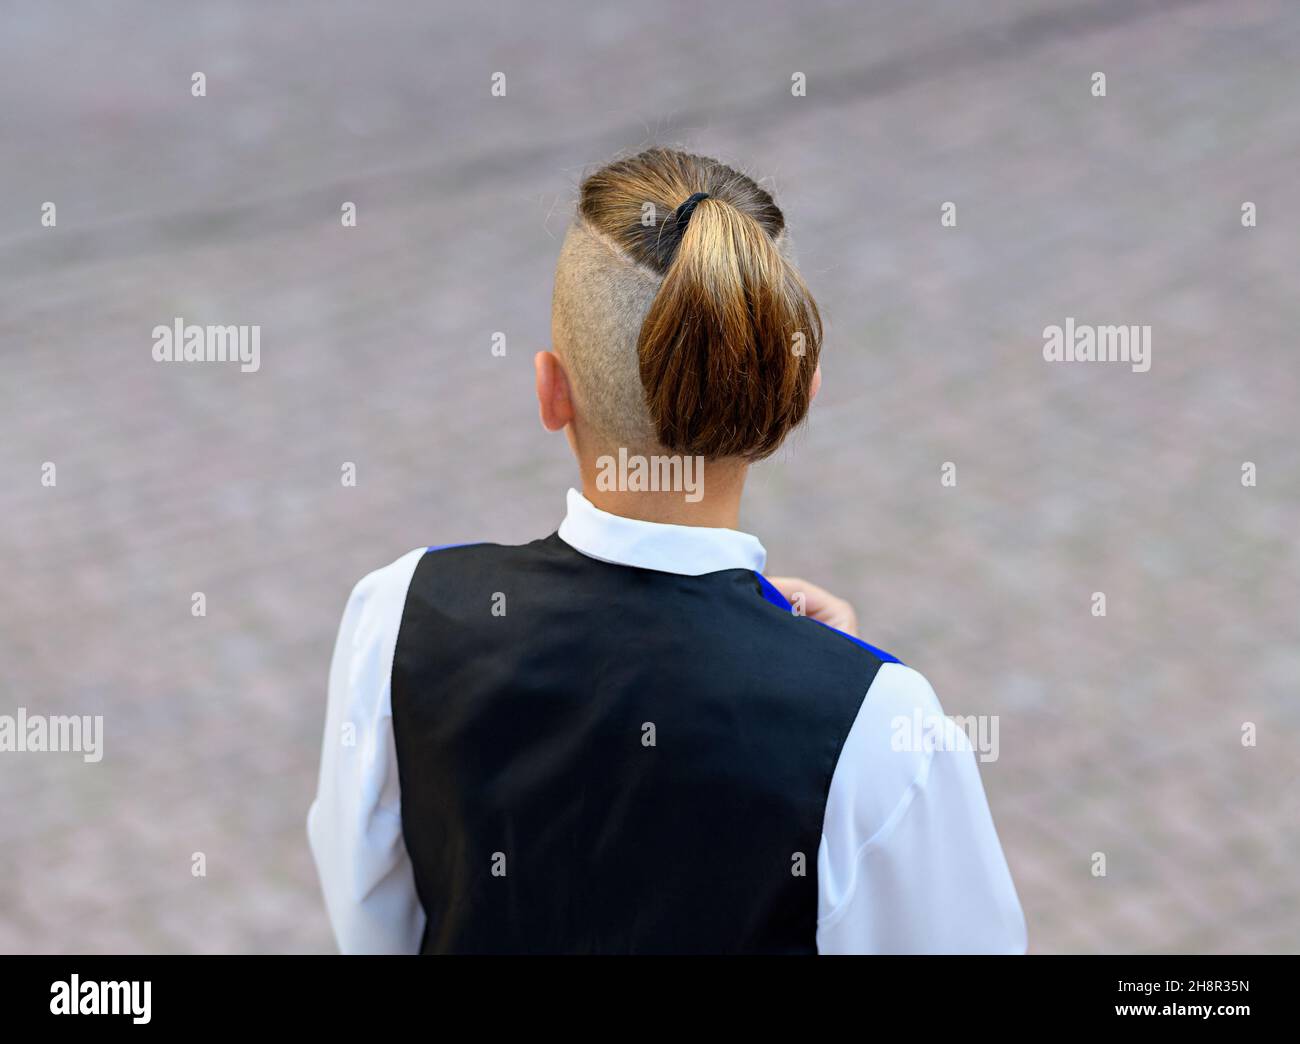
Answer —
(818, 603)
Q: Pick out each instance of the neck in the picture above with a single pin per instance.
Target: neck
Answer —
(711, 497)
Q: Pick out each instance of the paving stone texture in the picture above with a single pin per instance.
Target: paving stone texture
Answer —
(1119, 735)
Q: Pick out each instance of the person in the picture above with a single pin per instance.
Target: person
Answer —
(622, 737)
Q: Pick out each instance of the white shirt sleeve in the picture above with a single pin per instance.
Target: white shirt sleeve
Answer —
(355, 824)
(909, 860)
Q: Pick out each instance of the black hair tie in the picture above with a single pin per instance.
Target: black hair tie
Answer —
(682, 214)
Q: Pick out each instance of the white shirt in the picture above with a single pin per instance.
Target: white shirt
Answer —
(909, 860)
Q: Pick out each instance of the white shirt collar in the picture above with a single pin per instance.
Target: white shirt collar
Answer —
(688, 550)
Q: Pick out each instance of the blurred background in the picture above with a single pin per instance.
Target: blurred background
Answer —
(1119, 735)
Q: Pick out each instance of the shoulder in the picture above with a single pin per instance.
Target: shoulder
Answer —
(374, 608)
(367, 636)
(388, 582)
(899, 696)
(899, 726)
(885, 762)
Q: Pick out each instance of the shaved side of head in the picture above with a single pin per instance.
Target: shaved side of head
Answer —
(601, 300)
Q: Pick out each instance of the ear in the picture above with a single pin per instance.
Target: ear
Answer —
(554, 404)
(816, 384)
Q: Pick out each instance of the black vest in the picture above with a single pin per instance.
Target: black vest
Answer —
(596, 758)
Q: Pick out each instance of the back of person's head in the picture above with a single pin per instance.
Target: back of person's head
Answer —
(679, 318)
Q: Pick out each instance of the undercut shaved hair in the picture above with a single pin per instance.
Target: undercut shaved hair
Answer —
(680, 319)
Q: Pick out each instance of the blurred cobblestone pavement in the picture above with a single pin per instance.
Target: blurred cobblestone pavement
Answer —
(1119, 735)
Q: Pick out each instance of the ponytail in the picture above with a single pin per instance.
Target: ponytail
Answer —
(729, 345)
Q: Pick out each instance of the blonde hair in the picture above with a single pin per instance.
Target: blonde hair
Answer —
(678, 313)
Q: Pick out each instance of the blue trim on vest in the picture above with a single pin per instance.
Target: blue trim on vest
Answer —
(774, 596)
(448, 547)
(771, 593)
